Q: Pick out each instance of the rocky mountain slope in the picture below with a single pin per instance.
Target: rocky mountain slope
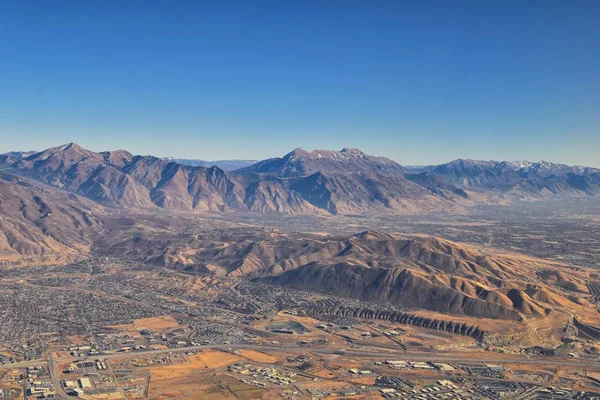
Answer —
(300, 162)
(318, 182)
(119, 179)
(324, 182)
(44, 223)
(437, 275)
(337, 182)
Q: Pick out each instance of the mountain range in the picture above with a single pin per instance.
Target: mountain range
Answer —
(318, 182)
(524, 177)
(225, 165)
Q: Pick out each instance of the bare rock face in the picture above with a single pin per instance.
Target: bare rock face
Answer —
(348, 181)
(86, 173)
(321, 182)
(276, 196)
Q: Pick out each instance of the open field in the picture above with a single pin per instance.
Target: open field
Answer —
(215, 359)
(155, 323)
(257, 356)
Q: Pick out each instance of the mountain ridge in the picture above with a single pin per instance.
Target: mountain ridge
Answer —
(348, 181)
(225, 165)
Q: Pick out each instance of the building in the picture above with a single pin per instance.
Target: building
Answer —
(444, 367)
(85, 383)
(397, 364)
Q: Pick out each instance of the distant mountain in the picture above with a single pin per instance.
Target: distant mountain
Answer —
(348, 181)
(301, 182)
(337, 182)
(436, 185)
(84, 172)
(225, 165)
(518, 178)
(300, 162)
(119, 179)
(13, 156)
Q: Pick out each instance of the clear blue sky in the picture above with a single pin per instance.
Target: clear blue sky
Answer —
(418, 81)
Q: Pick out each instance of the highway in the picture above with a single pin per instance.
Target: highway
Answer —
(371, 352)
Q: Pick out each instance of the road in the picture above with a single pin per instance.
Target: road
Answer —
(54, 377)
(364, 352)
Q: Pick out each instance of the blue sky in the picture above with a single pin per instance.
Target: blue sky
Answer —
(417, 81)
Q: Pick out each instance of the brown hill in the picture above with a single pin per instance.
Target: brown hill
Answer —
(397, 286)
(408, 271)
(429, 273)
(39, 222)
